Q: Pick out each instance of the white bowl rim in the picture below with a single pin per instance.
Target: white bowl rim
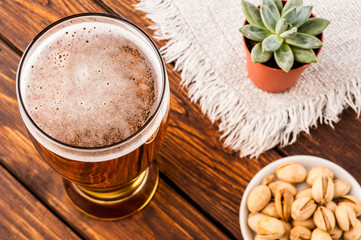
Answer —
(256, 180)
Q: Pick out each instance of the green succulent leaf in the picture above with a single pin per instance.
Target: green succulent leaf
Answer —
(304, 55)
(290, 33)
(268, 18)
(291, 4)
(305, 41)
(281, 26)
(271, 43)
(314, 26)
(273, 7)
(258, 55)
(290, 15)
(254, 32)
(279, 5)
(284, 57)
(252, 14)
(303, 13)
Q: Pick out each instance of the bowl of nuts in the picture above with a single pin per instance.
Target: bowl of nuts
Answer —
(301, 197)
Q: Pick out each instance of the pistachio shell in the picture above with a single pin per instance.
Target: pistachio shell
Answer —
(259, 237)
(323, 190)
(306, 192)
(283, 202)
(253, 220)
(324, 219)
(353, 202)
(336, 233)
(318, 172)
(291, 172)
(271, 228)
(278, 185)
(354, 233)
(258, 198)
(288, 227)
(270, 210)
(303, 208)
(346, 217)
(269, 179)
(309, 223)
(331, 205)
(341, 188)
(319, 234)
(300, 233)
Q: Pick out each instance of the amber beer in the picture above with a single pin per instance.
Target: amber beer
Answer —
(94, 96)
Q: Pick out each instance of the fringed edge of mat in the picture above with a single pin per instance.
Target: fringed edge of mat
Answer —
(243, 131)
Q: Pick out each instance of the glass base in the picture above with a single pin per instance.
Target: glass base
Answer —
(119, 203)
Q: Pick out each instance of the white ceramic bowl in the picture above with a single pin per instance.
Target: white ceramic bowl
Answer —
(308, 162)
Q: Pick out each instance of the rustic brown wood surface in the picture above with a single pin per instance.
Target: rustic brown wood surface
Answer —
(202, 183)
(25, 217)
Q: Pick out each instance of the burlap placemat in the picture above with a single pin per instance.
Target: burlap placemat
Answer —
(204, 41)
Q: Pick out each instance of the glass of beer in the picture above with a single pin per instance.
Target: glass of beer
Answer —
(94, 96)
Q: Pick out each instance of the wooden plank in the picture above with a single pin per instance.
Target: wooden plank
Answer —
(24, 217)
(341, 145)
(192, 155)
(168, 215)
(21, 20)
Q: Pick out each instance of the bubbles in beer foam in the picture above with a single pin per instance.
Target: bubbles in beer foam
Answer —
(97, 87)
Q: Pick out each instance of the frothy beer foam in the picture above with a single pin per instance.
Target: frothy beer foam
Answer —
(89, 85)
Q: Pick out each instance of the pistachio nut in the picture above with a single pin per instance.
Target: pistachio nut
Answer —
(291, 172)
(271, 228)
(324, 219)
(253, 220)
(318, 172)
(303, 208)
(354, 233)
(267, 180)
(319, 234)
(353, 202)
(278, 185)
(309, 223)
(259, 237)
(283, 202)
(300, 233)
(323, 190)
(258, 198)
(336, 233)
(270, 210)
(306, 192)
(345, 216)
(288, 227)
(341, 188)
(331, 205)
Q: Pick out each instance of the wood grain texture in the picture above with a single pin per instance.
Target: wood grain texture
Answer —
(22, 216)
(341, 144)
(168, 216)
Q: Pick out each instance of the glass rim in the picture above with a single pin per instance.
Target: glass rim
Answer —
(116, 17)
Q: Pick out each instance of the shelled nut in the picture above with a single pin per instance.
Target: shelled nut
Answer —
(324, 219)
(279, 185)
(318, 172)
(291, 172)
(303, 208)
(258, 198)
(323, 190)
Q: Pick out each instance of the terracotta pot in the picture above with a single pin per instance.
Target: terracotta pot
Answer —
(271, 79)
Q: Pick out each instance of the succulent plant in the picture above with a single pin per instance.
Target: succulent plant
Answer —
(284, 31)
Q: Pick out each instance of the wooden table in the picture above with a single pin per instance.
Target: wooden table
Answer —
(201, 182)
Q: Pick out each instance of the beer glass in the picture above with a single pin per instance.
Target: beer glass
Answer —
(110, 180)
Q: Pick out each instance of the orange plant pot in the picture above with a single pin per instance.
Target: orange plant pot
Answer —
(269, 79)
